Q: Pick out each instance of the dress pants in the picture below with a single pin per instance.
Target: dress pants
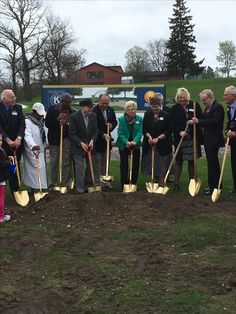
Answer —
(213, 167)
(82, 182)
(124, 166)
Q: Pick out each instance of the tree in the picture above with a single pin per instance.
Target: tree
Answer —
(59, 60)
(23, 23)
(208, 72)
(226, 57)
(180, 55)
(157, 52)
(137, 60)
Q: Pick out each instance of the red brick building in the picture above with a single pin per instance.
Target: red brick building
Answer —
(97, 74)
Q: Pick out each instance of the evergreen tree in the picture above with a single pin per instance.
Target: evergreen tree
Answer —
(180, 56)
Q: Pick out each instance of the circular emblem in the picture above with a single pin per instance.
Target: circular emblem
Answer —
(148, 95)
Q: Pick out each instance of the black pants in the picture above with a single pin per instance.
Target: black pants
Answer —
(13, 181)
(124, 166)
(213, 166)
(233, 162)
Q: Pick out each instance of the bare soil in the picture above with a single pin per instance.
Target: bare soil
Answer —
(91, 253)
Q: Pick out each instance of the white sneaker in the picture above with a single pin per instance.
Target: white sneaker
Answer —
(7, 218)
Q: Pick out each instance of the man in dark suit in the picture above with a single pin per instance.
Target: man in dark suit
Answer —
(230, 98)
(105, 117)
(212, 123)
(12, 128)
(83, 133)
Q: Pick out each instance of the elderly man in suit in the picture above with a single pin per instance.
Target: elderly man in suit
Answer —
(83, 133)
(12, 128)
(230, 98)
(105, 118)
(212, 123)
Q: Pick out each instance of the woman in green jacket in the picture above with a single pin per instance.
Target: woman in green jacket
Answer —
(129, 138)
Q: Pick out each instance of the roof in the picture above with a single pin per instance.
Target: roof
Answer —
(115, 68)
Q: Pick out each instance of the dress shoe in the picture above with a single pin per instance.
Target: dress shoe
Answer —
(207, 192)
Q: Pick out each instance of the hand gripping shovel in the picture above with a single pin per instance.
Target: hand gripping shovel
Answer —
(216, 192)
(62, 189)
(21, 197)
(40, 194)
(106, 177)
(163, 190)
(94, 188)
(152, 186)
(195, 183)
(127, 188)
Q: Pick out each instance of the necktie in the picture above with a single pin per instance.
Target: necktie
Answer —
(86, 120)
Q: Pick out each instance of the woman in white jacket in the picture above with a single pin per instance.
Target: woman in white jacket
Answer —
(35, 141)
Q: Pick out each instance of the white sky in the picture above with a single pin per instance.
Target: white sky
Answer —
(108, 29)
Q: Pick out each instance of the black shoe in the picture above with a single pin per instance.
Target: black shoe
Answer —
(207, 189)
(207, 192)
(176, 187)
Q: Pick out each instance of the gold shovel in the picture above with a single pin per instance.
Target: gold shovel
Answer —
(21, 197)
(127, 188)
(72, 180)
(107, 177)
(163, 190)
(62, 189)
(40, 194)
(152, 186)
(195, 183)
(216, 192)
(94, 188)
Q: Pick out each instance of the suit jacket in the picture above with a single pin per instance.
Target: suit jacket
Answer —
(12, 124)
(212, 123)
(179, 119)
(78, 132)
(101, 143)
(231, 125)
(53, 125)
(124, 132)
(156, 127)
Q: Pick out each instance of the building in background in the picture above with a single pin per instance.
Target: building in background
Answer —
(98, 74)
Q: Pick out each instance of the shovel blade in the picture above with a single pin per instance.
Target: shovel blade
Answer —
(21, 197)
(39, 195)
(129, 188)
(152, 187)
(95, 188)
(194, 186)
(62, 189)
(163, 190)
(107, 178)
(215, 195)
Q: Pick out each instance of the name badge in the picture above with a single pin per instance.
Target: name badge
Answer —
(191, 110)
(14, 113)
(137, 122)
(161, 118)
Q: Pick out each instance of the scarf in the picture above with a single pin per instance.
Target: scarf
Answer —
(39, 123)
(130, 121)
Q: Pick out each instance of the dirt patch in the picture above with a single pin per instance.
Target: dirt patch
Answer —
(115, 253)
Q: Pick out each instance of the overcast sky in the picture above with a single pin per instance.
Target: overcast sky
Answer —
(108, 29)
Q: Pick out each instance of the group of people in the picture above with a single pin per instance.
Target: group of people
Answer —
(73, 136)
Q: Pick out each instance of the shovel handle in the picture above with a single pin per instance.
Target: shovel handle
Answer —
(60, 154)
(223, 163)
(108, 151)
(13, 149)
(175, 154)
(89, 151)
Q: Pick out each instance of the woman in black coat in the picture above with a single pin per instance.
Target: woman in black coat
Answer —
(181, 113)
(157, 132)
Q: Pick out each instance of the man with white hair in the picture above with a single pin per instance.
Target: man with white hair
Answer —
(212, 123)
(230, 98)
(12, 128)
